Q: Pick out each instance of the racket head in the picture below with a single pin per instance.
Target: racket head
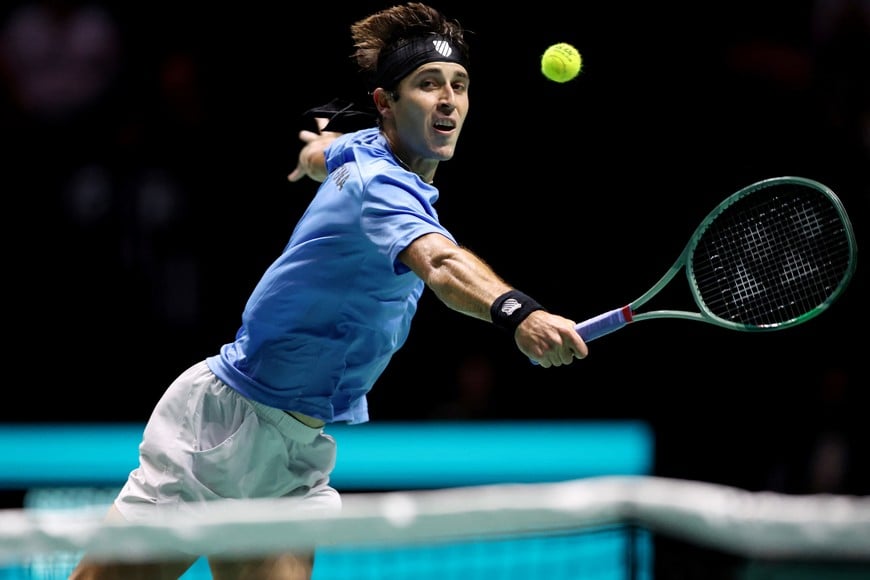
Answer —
(773, 255)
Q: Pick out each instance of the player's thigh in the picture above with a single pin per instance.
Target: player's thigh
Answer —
(88, 569)
(140, 571)
(281, 567)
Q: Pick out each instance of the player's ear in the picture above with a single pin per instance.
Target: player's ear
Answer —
(383, 100)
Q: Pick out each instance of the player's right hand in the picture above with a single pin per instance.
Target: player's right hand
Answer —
(312, 160)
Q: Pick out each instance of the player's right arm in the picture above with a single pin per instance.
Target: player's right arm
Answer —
(312, 157)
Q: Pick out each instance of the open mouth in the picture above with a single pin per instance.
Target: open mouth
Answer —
(445, 124)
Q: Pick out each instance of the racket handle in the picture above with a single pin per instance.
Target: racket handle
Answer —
(602, 324)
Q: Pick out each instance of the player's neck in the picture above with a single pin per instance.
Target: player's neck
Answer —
(425, 168)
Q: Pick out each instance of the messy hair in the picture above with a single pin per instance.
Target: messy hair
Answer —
(392, 25)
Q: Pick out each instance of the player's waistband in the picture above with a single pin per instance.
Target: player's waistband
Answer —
(306, 420)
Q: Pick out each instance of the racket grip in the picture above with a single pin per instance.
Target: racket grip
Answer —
(605, 323)
(602, 324)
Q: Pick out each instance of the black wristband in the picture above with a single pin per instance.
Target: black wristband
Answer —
(511, 308)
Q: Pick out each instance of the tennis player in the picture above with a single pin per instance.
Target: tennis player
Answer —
(326, 317)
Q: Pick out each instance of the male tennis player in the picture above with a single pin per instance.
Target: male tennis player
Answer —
(330, 312)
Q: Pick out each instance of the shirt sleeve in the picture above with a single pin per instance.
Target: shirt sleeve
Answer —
(397, 209)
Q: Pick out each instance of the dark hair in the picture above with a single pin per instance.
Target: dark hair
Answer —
(392, 26)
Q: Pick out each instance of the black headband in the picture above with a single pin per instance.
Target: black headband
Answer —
(398, 61)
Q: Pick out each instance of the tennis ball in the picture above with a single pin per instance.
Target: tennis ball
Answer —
(561, 62)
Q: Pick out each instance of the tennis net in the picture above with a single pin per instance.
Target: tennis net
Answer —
(608, 527)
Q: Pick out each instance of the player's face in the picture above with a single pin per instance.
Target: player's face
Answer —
(431, 110)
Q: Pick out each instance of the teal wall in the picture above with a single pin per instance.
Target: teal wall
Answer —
(372, 456)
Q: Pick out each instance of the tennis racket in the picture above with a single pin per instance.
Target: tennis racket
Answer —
(773, 255)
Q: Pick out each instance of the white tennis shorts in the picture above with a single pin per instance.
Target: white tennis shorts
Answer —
(204, 441)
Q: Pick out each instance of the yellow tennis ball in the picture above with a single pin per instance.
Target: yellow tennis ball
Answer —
(561, 62)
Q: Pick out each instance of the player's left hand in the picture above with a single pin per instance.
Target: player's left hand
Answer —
(550, 340)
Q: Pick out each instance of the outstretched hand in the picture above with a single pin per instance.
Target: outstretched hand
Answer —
(312, 162)
(550, 340)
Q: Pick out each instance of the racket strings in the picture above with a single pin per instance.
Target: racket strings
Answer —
(772, 256)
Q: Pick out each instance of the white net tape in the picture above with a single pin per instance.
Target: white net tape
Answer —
(752, 524)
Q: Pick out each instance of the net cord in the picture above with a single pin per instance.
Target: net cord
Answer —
(752, 524)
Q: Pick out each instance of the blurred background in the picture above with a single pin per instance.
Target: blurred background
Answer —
(144, 180)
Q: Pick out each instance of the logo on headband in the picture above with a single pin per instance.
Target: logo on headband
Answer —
(442, 48)
(398, 61)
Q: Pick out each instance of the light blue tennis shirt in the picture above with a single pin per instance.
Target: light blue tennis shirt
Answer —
(329, 313)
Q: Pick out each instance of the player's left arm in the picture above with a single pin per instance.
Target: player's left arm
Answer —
(467, 284)
(459, 278)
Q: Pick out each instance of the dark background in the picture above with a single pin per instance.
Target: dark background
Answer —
(145, 191)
